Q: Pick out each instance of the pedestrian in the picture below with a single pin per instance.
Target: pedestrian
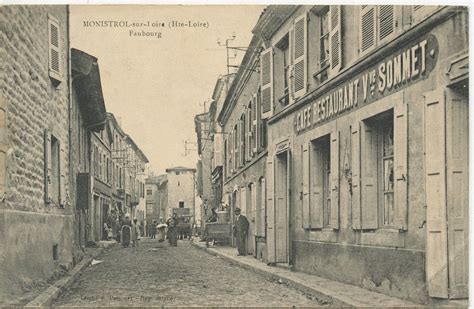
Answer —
(240, 231)
(105, 234)
(135, 232)
(153, 229)
(126, 229)
(160, 229)
(172, 230)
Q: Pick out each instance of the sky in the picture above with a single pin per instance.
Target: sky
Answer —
(155, 85)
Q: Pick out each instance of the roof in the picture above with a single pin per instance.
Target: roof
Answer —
(180, 168)
(272, 18)
(137, 150)
(86, 81)
(113, 121)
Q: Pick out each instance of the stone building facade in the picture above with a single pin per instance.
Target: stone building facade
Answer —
(368, 150)
(36, 212)
(181, 188)
(156, 196)
(244, 149)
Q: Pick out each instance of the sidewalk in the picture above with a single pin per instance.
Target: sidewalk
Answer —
(333, 292)
(45, 298)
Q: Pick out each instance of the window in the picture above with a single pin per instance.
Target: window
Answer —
(420, 12)
(323, 53)
(321, 177)
(377, 24)
(55, 175)
(181, 204)
(378, 171)
(266, 82)
(242, 152)
(54, 50)
(282, 70)
(236, 149)
(149, 192)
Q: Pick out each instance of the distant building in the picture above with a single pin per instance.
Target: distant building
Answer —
(181, 188)
(156, 196)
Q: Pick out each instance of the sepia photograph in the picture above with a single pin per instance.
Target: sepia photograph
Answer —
(234, 155)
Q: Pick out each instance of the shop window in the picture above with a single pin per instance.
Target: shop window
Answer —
(377, 171)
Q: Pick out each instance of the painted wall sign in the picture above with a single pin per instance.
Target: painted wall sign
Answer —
(404, 68)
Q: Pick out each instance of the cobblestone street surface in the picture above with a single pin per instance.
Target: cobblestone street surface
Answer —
(157, 275)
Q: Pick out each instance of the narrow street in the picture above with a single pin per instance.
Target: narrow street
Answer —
(155, 275)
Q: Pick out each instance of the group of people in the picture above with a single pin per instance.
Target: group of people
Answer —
(157, 229)
(130, 231)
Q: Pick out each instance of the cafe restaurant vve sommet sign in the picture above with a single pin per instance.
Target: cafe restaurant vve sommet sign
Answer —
(407, 66)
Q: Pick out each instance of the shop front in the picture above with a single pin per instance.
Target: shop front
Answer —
(367, 178)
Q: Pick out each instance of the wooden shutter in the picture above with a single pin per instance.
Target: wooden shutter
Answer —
(335, 179)
(435, 180)
(335, 42)
(317, 196)
(47, 166)
(3, 146)
(243, 200)
(249, 122)
(300, 56)
(367, 27)
(255, 123)
(400, 141)
(54, 47)
(266, 82)
(270, 234)
(231, 152)
(386, 21)
(305, 163)
(457, 178)
(263, 202)
(420, 12)
(355, 154)
(369, 177)
(62, 172)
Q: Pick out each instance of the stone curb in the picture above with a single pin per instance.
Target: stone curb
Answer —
(320, 293)
(46, 298)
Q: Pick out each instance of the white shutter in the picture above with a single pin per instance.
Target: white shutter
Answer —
(355, 153)
(249, 124)
(367, 27)
(3, 145)
(420, 12)
(47, 166)
(62, 173)
(435, 180)
(256, 117)
(335, 179)
(306, 165)
(243, 201)
(400, 141)
(386, 21)
(335, 42)
(266, 82)
(317, 187)
(300, 56)
(54, 48)
(270, 234)
(368, 177)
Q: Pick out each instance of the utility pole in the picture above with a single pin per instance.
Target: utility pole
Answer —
(235, 49)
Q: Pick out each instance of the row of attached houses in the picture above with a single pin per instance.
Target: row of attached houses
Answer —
(345, 143)
(66, 165)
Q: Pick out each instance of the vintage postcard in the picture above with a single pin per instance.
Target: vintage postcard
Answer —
(234, 155)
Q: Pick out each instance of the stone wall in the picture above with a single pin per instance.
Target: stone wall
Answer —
(31, 228)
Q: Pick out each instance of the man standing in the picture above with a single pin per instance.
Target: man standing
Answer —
(240, 231)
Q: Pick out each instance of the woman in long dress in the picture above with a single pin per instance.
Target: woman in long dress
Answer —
(135, 232)
(160, 229)
(172, 230)
(126, 231)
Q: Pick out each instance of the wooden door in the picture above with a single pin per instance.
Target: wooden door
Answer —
(270, 210)
(457, 159)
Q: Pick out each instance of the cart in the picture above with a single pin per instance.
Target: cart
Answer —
(217, 232)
